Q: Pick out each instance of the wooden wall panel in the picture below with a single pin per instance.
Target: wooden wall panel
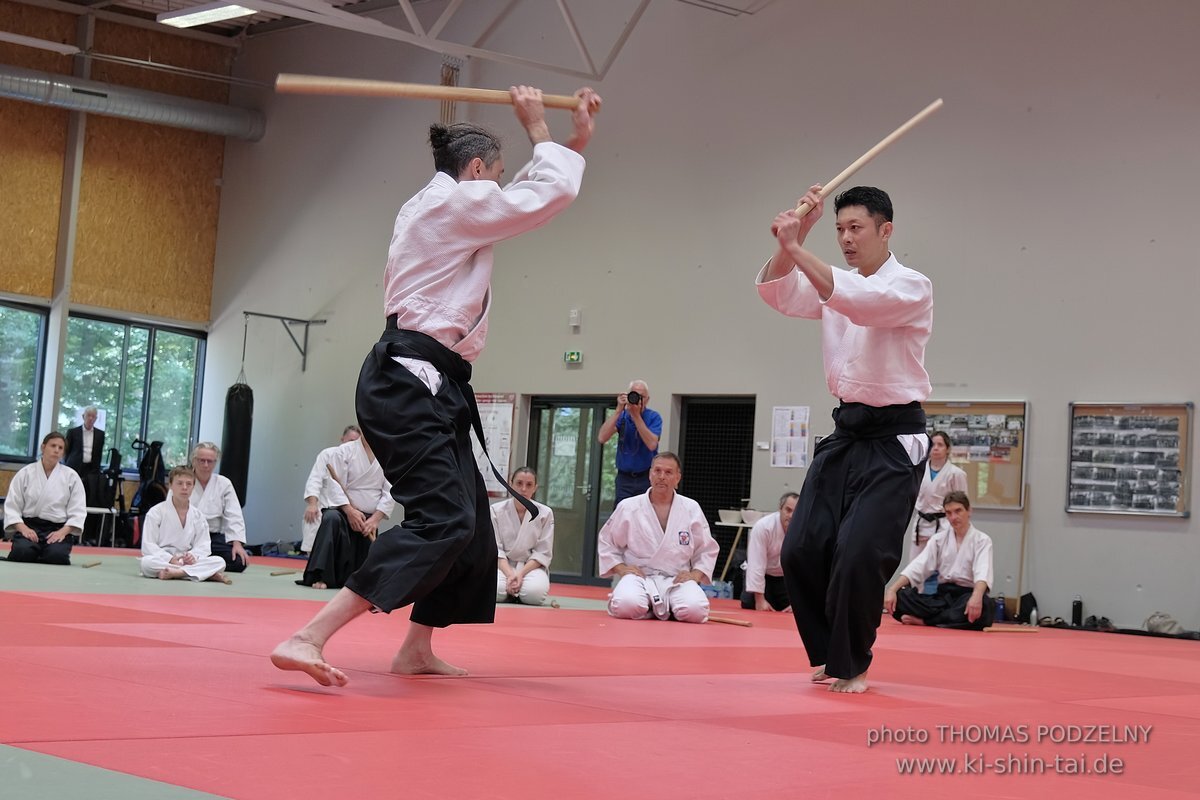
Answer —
(32, 143)
(147, 232)
(149, 197)
(162, 48)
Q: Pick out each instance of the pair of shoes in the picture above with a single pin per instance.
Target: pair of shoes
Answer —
(1090, 623)
(1105, 624)
(1053, 622)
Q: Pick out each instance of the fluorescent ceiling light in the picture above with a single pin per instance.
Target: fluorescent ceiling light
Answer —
(204, 14)
(41, 44)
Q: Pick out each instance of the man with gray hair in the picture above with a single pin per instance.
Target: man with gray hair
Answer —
(84, 454)
(638, 428)
(765, 588)
(217, 500)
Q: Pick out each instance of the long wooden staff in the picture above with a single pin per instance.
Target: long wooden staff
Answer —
(830, 187)
(321, 84)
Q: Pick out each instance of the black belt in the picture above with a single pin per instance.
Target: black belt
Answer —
(859, 421)
(629, 474)
(414, 344)
(933, 517)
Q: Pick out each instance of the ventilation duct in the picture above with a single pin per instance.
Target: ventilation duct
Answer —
(93, 97)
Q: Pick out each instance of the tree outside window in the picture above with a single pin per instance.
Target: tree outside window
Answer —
(144, 377)
(22, 333)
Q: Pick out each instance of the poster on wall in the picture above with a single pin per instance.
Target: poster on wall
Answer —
(789, 437)
(987, 440)
(1130, 459)
(497, 412)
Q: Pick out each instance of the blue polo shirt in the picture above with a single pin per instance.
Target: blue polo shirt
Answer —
(632, 453)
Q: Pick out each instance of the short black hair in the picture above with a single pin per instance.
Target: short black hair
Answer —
(957, 497)
(454, 146)
(875, 201)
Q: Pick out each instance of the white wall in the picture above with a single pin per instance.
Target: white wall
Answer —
(1049, 202)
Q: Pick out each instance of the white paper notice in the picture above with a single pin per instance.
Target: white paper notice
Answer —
(789, 436)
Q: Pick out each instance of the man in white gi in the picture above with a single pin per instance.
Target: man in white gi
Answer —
(218, 502)
(524, 544)
(764, 575)
(847, 536)
(941, 477)
(414, 399)
(962, 559)
(659, 545)
(45, 507)
(175, 540)
(348, 496)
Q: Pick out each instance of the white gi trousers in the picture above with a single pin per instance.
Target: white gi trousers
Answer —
(658, 597)
(535, 586)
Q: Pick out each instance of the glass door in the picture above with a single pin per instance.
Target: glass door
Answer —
(576, 478)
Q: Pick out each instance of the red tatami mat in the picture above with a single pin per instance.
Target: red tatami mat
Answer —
(572, 704)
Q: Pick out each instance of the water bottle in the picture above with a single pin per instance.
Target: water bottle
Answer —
(1033, 617)
(1077, 611)
(1000, 609)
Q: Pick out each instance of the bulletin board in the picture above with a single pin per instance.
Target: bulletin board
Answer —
(988, 444)
(1130, 459)
(497, 412)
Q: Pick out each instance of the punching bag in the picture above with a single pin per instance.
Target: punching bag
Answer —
(235, 441)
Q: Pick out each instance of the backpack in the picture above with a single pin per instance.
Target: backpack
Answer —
(152, 476)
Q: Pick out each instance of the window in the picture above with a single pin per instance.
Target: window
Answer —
(144, 379)
(22, 338)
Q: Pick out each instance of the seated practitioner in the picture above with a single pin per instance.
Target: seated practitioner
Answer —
(962, 557)
(175, 540)
(350, 433)
(348, 490)
(218, 502)
(45, 507)
(525, 545)
(765, 588)
(659, 545)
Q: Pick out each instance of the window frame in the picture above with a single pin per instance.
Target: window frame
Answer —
(154, 328)
(39, 383)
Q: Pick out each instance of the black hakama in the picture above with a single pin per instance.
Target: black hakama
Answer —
(847, 535)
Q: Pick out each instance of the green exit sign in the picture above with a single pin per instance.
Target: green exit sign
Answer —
(573, 357)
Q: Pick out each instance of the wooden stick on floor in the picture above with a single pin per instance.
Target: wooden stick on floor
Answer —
(1010, 629)
(91, 564)
(278, 572)
(745, 623)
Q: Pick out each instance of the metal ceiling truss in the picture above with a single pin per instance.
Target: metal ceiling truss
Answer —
(323, 13)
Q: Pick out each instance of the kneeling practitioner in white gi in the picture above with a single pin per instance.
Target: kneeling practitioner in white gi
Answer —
(175, 542)
(659, 544)
(524, 545)
(45, 507)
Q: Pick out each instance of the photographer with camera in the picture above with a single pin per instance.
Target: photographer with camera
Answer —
(638, 428)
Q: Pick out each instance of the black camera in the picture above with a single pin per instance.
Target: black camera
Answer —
(634, 398)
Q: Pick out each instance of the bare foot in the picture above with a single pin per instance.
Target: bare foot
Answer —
(423, 663)
(819, 674)
(171, 574)
(319, 585)
(304, 656)
(850, 685)
(909, 619)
